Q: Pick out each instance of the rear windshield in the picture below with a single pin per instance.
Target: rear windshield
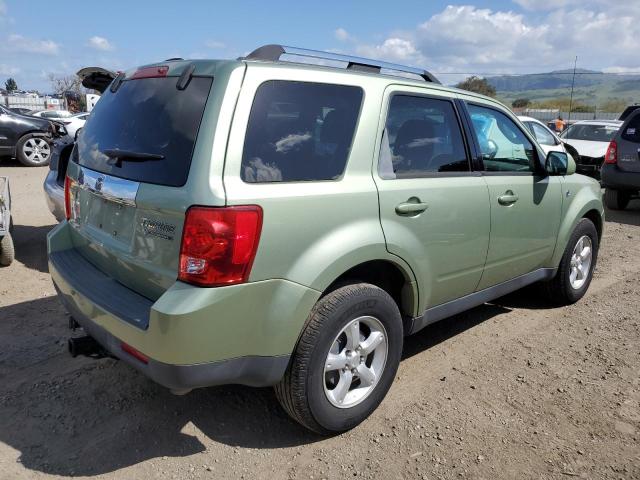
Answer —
(594, 133)
(146, 116)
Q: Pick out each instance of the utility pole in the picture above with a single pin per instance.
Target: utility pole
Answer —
(573, 81)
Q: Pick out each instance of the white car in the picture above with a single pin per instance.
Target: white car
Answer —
(591, 139)
(548, 140)
(74, 123)
(51, 114)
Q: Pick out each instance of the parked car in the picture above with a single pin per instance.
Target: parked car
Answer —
(27, 138)
(547, 139)
(74, 123)
(7, 251)
(51, 114)
(621, 169)
(61, 148)
(93, 78)
(20, 110)
(590, 138)
(266, 228)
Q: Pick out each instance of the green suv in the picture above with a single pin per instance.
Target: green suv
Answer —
(276, 223)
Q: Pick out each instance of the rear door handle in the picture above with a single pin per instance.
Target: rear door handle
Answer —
(508, 198)
(412, 206)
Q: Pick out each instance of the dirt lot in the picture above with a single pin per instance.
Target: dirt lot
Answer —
(508, 390)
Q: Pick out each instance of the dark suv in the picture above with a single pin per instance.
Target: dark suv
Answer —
(27, 138)
(621, 169)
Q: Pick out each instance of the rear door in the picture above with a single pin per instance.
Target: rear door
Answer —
(629, 145)
(526, 205)
(130, 165)
(434, 210)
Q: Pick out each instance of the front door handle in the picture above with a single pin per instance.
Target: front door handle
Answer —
(413, 206)
(508, 198)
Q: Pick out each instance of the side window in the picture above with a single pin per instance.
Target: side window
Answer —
(543, 136)
(503, 146)
(422, 136)
(631, 131)
(299, 131)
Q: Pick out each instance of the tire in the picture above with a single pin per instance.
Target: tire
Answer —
(561, 290)
(33, 150)
(304, 391)
(616, 199)
(7, 252)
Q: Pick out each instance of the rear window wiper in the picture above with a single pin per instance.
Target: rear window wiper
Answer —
(131, 156)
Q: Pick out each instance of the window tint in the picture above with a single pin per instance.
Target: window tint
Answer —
(148, 115)
(543, 135)
(503, 145)
(422, 136)
(299, 131)
(631, 130)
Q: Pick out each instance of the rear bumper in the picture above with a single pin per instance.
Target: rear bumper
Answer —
(613, 177)
(193, 337)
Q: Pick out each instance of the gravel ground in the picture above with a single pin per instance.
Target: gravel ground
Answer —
(512, 389)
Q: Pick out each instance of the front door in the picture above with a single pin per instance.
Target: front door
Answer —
(526, 204)
(434, 211)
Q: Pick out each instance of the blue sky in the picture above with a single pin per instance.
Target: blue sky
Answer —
(511, 36)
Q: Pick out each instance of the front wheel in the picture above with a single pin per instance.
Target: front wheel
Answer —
(576, 267)
(345, 360)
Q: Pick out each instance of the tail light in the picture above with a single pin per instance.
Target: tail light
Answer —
(137, 354)
(219, 244)
(612, 153)
(68, 184)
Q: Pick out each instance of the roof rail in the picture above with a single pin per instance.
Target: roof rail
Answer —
(272, 53)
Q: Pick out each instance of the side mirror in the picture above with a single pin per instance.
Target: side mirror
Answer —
(559, 163)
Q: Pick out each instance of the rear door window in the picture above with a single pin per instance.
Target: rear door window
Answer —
(146, 116)
(422, 137)
(299, 131)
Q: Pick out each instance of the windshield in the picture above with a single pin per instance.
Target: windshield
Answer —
(594, 133)
(150, 118)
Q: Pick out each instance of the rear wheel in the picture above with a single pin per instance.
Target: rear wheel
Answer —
(33, 151)
(7, 251)
(345, 361)
(576, 267)
(616, 199)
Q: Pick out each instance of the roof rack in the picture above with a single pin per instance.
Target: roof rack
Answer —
(272, 53)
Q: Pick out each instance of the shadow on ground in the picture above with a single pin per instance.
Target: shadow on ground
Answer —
(31, 245)
(629, 216)
(85, 417)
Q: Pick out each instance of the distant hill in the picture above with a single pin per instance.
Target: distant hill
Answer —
(591, 87)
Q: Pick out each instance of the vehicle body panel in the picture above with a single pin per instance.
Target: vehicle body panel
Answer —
(13, 126)
(446, 245)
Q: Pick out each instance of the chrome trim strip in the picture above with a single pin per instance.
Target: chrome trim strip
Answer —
(110, 188)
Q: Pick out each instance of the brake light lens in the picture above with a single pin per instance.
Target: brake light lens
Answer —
(612, 153)
(219, 244)
(151, 72)
(68, 185)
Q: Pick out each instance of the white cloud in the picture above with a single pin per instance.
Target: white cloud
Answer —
(7, 70)
(214, 44)
(100, 43)
(470, 39)
(342, 35)
(3, 8)
(19, 43)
